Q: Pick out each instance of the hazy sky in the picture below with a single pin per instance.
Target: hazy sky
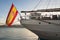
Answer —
(25, 5)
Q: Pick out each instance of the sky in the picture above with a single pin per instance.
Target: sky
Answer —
(25, 5)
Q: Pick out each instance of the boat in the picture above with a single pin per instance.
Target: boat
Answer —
(46, 28)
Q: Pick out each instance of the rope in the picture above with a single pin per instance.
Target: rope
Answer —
(37, 5)
(48, 3)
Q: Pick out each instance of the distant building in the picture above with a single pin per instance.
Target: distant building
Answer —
(54, 17)
(46, 18)
(35, 15)
(58, 17)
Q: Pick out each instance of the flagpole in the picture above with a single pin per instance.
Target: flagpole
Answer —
(19, 15)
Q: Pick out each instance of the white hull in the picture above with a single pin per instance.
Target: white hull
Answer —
(44, 30)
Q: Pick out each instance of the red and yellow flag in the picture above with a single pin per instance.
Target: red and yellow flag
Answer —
(11, 15)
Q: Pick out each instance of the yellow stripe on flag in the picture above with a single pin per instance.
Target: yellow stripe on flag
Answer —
(13, 11)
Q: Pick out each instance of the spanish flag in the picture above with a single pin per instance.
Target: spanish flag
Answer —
(11, 15)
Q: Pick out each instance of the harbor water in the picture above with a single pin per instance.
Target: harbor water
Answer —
(13, 33)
